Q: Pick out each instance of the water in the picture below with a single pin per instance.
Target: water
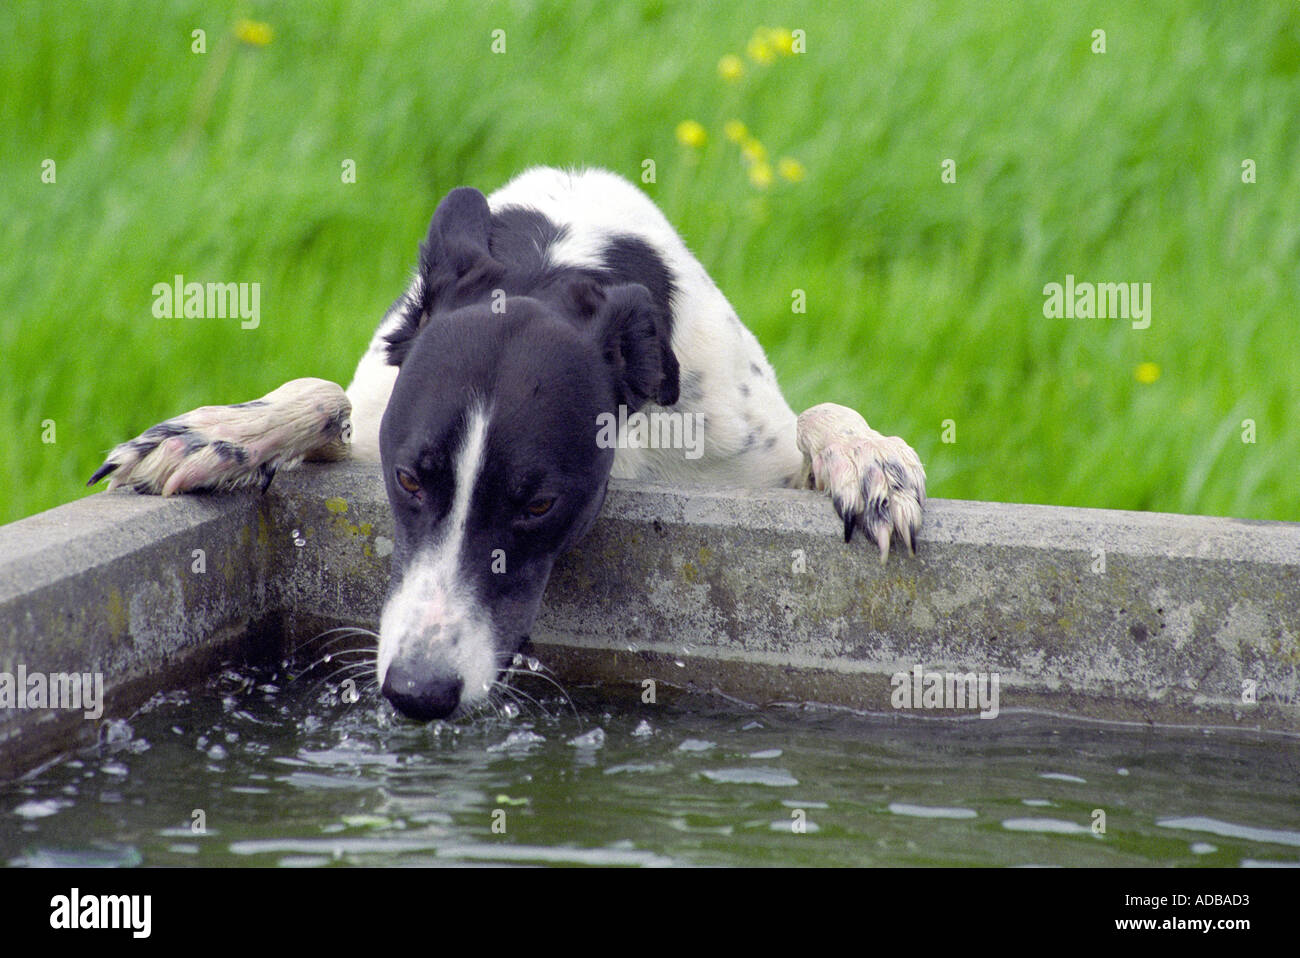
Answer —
(254, 769)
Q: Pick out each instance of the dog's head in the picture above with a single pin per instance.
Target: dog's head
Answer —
(490, 448)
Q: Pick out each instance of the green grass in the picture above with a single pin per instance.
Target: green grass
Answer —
(925, 299)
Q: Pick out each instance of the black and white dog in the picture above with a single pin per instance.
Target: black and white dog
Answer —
(538, 316)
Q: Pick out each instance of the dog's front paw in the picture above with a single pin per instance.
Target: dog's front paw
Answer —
(876, 482)
(225, 447)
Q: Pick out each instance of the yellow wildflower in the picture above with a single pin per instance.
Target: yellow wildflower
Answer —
(691, 133)
(735, 131)
(1146, 373)
(760, 174)
(791, 169)
(253, 32)
(752, 150)
(781, 40)
(760, 49)
(731, 68)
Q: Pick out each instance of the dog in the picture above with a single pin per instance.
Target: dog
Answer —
(545, 326)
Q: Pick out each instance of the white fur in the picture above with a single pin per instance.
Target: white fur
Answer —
(432, 603)
(372, 383)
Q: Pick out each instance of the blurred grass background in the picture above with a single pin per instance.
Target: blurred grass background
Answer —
(924, 299)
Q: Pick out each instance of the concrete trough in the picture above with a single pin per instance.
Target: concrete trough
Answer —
(753, 593)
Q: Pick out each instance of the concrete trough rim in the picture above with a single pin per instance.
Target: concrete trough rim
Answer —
(978, 522)
(105, 583)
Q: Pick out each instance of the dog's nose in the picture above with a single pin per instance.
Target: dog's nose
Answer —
(421, 695)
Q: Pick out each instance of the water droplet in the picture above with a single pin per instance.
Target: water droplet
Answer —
(517, 661)
(593, 739)
(533, 664)
(510, 710)
(39, 808)
(115, 732)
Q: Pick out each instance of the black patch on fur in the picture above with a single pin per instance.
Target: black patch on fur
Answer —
(230, 452)
(631, 259)
(470, 252)
(520, 238)
(456, 266)
(894, 472)
(150, 439)
(335, 423)
(156, 434)
(511, 245)
(633, 348)
(755, 369)
(251, 404)
(101, 472)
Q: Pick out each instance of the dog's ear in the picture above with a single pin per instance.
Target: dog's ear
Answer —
(581, 297)
(455, 257)
(634, 339)
(456, 264)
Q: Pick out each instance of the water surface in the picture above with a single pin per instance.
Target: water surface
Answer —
(257, 769)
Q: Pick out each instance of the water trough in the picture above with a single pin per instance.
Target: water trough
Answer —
(1111, 615)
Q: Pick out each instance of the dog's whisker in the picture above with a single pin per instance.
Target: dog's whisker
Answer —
(344, 673)
(336, 635)
(335, 661)
(350, 655)
(479, 708)
(348, 667)
(520, 697)
(327, 657)
(548, 680)
(537, 673)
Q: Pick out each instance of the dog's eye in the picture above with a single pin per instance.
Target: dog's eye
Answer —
(407, 481)
(540, 506)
